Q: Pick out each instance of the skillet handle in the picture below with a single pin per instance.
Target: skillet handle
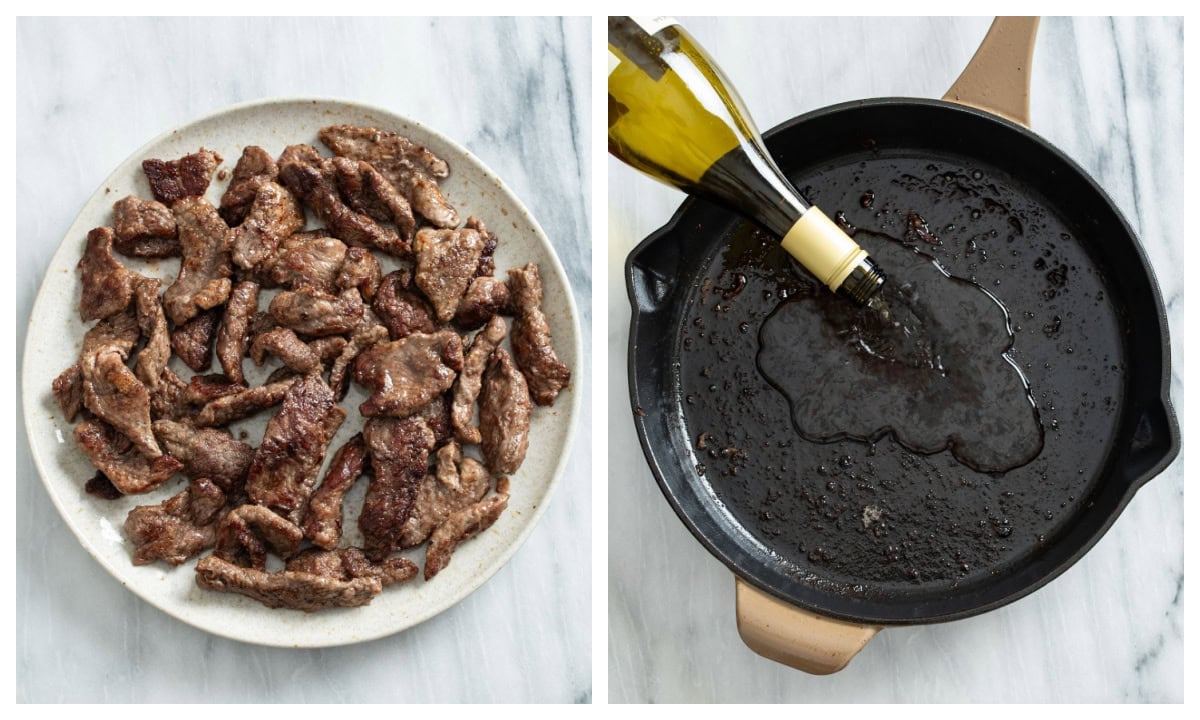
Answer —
(997, 78)
(798, 638)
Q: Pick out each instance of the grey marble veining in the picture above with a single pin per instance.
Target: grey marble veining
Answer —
(1110, 95)
(513, 91)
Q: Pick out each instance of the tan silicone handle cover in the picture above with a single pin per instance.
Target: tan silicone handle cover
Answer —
(798, 638)
(997, 78)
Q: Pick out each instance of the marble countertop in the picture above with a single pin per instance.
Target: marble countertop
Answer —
(1110, 95)
(512, 91)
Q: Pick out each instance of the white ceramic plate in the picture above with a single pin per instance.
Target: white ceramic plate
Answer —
(55, 335)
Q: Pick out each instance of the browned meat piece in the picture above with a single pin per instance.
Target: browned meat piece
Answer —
(254, 168)
(112, 454)
(203, 389)
(234, 335)
(487, 260)
(403, 312)
(446, 262)
(117, 397)
(186, 177)
(225, 410)
(246, 534)
(359, 342)
(459, 527)
(118, 333)
(287, 589)
(314, 264)
(166, 399)
(504, 411)
(207, 453)
(437, 416)
(144, 228)
(283, 343)
(487, 296)
(349, 563)
(107, 284)
(152, 359)
(275, 214)
(399, 452)
(466, 390)
(100, 486)
(68, 391)
(368, 192)
(286, 464)
(203, 281)
(193, 340)
(281, 374)
(408, 166)
(316, 313)
(531, 337)
(360, 270)
(323, 522)
(459, 482)
(328, 348)
(179, 528)
(313, 179)
(405, 375)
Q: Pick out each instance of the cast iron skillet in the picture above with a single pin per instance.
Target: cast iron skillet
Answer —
(789, 608)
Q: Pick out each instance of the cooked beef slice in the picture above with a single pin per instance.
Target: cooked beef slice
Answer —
(531, 337)
(111, 453)
(446, 261)
(225, 410)
(328, 349)
(153, 357)
(275, 214)
(405, 375)
(504, 412)
(178, 528)
(359, 342)
(399, 451)
(68, 391)
(313, 179)
(286, 464)
(287, 589)
(412, 169)
(234, 335)
(360, 270)
(207, 453)
(246, 534)
(254, 168)
(118, 333)
(144, 228)
(487, 260)
(166, 399)
(323, 522)
(349, 563)
(107, 284)
(314, 264)
(458, 482)
(193, 340)
(466, 390)
(317, 313)
(366, 191)
(462, 525)
(437, 416)
(186, 177)
(487, 296)
(402, 311)
(204, 272)
(100, 486)
(118, 398)
(203, 389)
(283, 343)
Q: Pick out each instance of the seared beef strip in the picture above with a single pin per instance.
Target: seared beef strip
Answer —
(323, 522)
(360, 270)
(107, 284)
(446, 262)
(274, 215)
(399, 452)
(403, 312)
(207, 453)
(254, 168)
(405, 375)
(225, 410)
(118, 333)
(68, 391)
(204, 272)
(459, 527)
(144, 228)
(487, 296)
(112, 454)
(203, 389)
(283, 343)
(437, 416)
(234, 335)
(349, 563)
(286, 464)
(117, 397)
(359, 342)
(466, 390)
(317, 313)
(100, 486)
(504, 412)
(368, 192)
(186, 177)
(412, 169)
(458, 482)
(193, 340)
(328, 348)
(314, 263)
(178, 528)
(166, 398)
(245, 535)
(152, 322)
(531, 337)
(487, 260)
(287, 589)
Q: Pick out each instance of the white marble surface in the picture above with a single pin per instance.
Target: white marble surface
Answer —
(1109, 94)
(515, 93)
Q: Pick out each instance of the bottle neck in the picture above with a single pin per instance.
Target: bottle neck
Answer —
(748, 179)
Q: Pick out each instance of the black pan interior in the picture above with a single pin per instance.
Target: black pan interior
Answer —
(872, 532)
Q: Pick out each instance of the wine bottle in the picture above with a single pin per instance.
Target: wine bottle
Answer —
(673, 115)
